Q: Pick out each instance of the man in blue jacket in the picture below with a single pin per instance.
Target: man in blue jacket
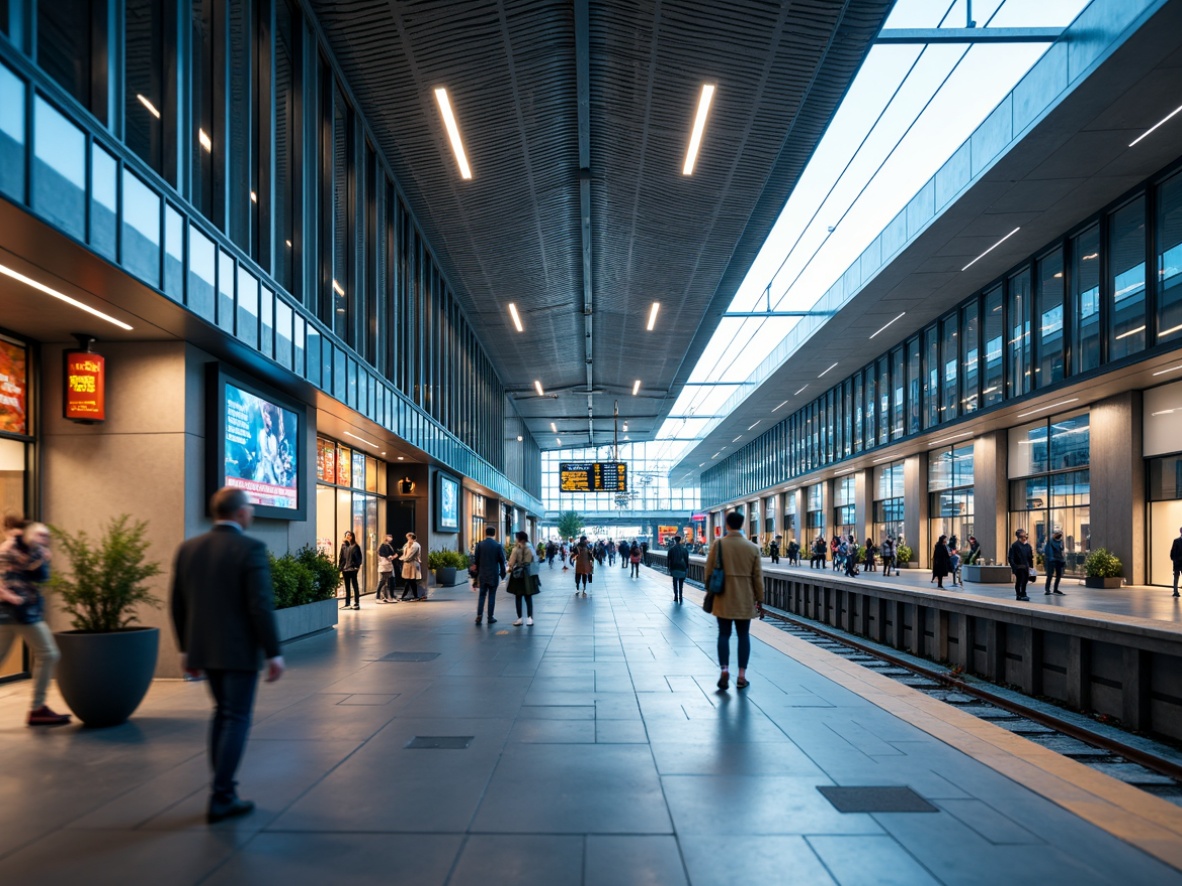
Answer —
(490, 569)
(223, 612)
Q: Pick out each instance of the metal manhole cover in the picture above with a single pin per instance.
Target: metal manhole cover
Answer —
(875, 799)
(409, 656)
(440, 742)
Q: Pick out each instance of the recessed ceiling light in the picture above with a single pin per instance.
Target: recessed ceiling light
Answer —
(520, 439)
(559, 439)
(155, 113)
(782, 404)
(554, 427)
(652, 315)
(289, 244)
(953, 437)
(1045, 408)
(846, 471)
(636, 388)
(538, 388)
(823, 374)
(402, 458)
(516, 318)
(888, 324)
(1155, 125)
(883, 458)
(61, 296)
(1170, 369)
(625, 427)
(453, 132)
(203, 137)
(991, 248)
(254, 198)
(691, 155)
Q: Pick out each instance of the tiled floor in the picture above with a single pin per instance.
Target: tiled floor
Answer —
(600, 753)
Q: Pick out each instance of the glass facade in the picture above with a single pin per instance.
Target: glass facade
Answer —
(889, 504)
(350, 496)
(950, 490)
(648, 485)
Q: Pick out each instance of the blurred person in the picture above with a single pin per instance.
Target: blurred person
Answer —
(386, 555)
(678, 562)
(1056, 562)
(490, 569)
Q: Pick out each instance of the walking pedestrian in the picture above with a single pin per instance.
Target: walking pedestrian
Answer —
(1021, 560)
(818, 559)
(521, 583)
(1056, 562)
(386, 554)
(1176, 559)
(490, 569)
(584, 564)
(871, 551)
(941, 562)
(742, 596)
(774, 550)
(625, 554)
(412, 572)
(349, 561)
(887, 552)
(611, 553)
(794, 553)
(222, 610)
(678, 562)
(24, 566)
(634, 553)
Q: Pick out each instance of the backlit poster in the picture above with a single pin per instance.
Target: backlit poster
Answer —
(262, 454)
(14, 386)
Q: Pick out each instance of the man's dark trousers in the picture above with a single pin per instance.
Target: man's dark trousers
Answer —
(491, 591)
(233, 693)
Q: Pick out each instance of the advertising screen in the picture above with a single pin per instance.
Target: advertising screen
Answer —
(447, 504)
(261, 449)
(14, 383)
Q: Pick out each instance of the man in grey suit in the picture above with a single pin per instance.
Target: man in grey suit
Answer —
(490, 569)
(223, 613)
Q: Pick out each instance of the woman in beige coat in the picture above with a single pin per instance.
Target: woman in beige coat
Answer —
(524, 584)
(742, 599)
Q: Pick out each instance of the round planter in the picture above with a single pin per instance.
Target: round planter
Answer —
(1092, 581)
(104, 677)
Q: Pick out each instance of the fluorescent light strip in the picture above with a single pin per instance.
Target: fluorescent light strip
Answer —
(948, 439)
(203, 137)
(41, 287)
(782, 404)
(737, 439)
(362, 439)
(636, 388)
(846, 471)
(652, 316)
(516, 318)
(823, 374)
(336, 287)
(883, 458)
(1169, 331)
(453, 132)
(695, 142)
(888, 324)
(1171, 369)
(797, 394)
(757, 421)
(559, 439)
(538, 387)
(554, 427)
(1155, 125)
(1045, 408)
(991, 248)
(1130, 332)
(143, 99)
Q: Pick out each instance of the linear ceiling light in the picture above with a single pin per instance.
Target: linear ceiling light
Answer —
(1045, 408)
(737, 439)
(883, 458)
(1155, 125)
(554, 427)
(823, 374)
(846, 471)
(757, 421)
(155, 113)
(782, 404)
(516, 318)
(1170, 369)
(953, 437)
(695, 142)
(336, 287)
(203, 137)
(888, 324)
(362, 439)
(41, 287)
(797, 394)
(991, 248)
(453, 132)
(652, 316)
(538, 388)
(636, 388)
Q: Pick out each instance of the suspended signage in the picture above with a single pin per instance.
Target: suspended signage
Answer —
(593, 476)
(85, 397)
(14, 386)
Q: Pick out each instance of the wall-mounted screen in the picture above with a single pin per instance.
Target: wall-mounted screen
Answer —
(256, 445)
(447, 503)
(593, 476)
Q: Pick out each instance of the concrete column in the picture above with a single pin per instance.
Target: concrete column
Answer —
(863, 505)
(1118, 482)
(991, 494)
(915, 516)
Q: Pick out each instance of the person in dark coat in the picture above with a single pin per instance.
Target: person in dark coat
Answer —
(490, 569)
(1056, 562)
(818, 559)
(941, 561)
(223, 612)
(1021, 560)
(625, 553)
(349, 561)
(1176, 559)
(678, 562)
(387, 554)
(774, 550)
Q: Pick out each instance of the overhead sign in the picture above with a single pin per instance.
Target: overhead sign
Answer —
(85, 396)
(14, 385)
(593, 476)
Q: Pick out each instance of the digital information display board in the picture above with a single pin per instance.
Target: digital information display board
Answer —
(593, 476)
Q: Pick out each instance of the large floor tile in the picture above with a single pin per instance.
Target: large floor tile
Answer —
(520, 859)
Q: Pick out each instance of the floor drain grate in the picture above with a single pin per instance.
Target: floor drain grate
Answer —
(440, 742)
(875, 799)
(409, 656)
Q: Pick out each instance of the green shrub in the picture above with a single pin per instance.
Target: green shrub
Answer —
(444, 558)
(326, 577)
(1102, 563)
(903, 554)
(285, 579)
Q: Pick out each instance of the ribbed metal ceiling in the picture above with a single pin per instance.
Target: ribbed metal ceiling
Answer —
(513, 233)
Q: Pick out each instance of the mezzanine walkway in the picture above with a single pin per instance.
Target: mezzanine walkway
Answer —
(599, 752)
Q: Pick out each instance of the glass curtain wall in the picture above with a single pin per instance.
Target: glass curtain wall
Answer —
(889, 504)
(950, 490)
(844, 514)
(815, 513)
(649, 489)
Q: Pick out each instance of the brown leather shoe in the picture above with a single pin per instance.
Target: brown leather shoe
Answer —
(45, 716)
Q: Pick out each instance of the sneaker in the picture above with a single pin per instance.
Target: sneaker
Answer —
(1024, 599)
(346, 606)
(356, 605)
(530, 620)
(1046, 593)
(46, 716)
(517, 623)
(491, 620)
(233, 809)
(1059, 593)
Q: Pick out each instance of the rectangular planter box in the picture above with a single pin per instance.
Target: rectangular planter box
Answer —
(987, 574)
(1108, 583)
(300, 621)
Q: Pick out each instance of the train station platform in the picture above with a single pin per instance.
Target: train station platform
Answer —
(590, 748)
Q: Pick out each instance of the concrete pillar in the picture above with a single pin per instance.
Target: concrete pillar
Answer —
(863, 504)
(1118, 482)
(915, 516)
(991, 494)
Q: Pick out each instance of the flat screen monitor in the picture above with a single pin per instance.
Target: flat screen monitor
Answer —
(447, 503)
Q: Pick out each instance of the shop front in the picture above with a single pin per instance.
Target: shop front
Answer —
(17, 453)
(350, 497)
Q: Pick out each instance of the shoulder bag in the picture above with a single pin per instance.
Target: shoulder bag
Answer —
(717, 582)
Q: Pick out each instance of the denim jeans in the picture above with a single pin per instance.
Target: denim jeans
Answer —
(350, 580)
(233, 695)
(39, 638)
(1054, 570)
(742, 628)
(489, 591)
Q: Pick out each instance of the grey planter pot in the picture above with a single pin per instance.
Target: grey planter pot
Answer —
(987, 574)
(104, 677)
(1092, 581)
(445, 577)
(311, 618)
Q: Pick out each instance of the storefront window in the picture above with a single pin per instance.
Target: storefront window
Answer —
(993, 381)
(15, 452)
(970, 356)
(350, 496)
(1018, 334)
(1164, 493)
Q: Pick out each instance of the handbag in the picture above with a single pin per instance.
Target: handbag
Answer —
(717, 582)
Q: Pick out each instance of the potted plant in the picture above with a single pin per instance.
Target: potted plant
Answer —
(903, 555)
(444, 564)
(107, 660)
(1102, 569)
(304, 585)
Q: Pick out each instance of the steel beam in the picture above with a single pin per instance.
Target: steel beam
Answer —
(899, 36)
